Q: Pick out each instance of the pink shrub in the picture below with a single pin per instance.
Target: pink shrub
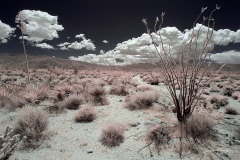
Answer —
(73, 102)
(97, 95)
(228, 90)
(217, 79)
(236, 95)
(214, 88)
(119, 90)
(85, 114)
(218, 100)
(141, 100)
(112, 135)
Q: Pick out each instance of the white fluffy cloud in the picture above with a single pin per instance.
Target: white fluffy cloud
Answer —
(139, 49)
(105, 41)
(44, 46)
(38, 25)
(229, 57)
(84, 43)
(5, 32)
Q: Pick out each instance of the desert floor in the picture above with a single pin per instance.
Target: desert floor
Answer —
(69, 140)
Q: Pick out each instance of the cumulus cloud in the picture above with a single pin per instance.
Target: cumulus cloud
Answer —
(5, 32)
(229, 57)
(44, 46)
(139, 49)
(105, 41)
(80, 36)
(84, 43)
(39, 25)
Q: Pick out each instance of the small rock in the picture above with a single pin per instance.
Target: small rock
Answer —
(236, 142)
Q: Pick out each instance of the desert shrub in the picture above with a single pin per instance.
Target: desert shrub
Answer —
(5, 97)
(31, 123)
(99, 82)
(144, 88)
(119, 90)
(85, 114)
(43, 92)
(66, 90)
(231, 110)
(217, 79)
(97, 95)
(236, 95)
(214, 88)
(141, 100)
(56, 108)
(228, 90)
(72, 102)
(112, 135)
(159, 135)
(199, 126)
(218, 100)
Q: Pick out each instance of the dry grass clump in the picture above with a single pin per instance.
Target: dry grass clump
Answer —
(217, 79)
(159, 135)
(214, 88)
(72, 102)
(65, 90)
(218, 100)
(97, 95)
(236, 95)
(31, 123)
(231, 110)
(119, 90)
(199, 126)
(85, 114)
(141, 100)
(112, 135)
(228, 90)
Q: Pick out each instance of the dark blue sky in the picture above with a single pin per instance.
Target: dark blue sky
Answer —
(113, 20)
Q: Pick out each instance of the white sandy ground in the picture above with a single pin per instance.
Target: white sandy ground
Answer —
(80, 141)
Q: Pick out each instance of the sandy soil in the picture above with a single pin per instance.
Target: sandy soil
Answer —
(74, 141)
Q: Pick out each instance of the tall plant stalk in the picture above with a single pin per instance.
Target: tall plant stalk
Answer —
(24, 48)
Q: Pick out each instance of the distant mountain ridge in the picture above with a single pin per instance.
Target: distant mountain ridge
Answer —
(43, 61)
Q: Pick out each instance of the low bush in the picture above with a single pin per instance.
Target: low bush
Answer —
(119, 90)
(159, 135)
(230, 110)
(97, 95)
(236, 95)
(112, 135)
(85, 114)
(31, 124)
(73, 102)
(199, 126)
(218, 100)
(141, 100)
(228, 90)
